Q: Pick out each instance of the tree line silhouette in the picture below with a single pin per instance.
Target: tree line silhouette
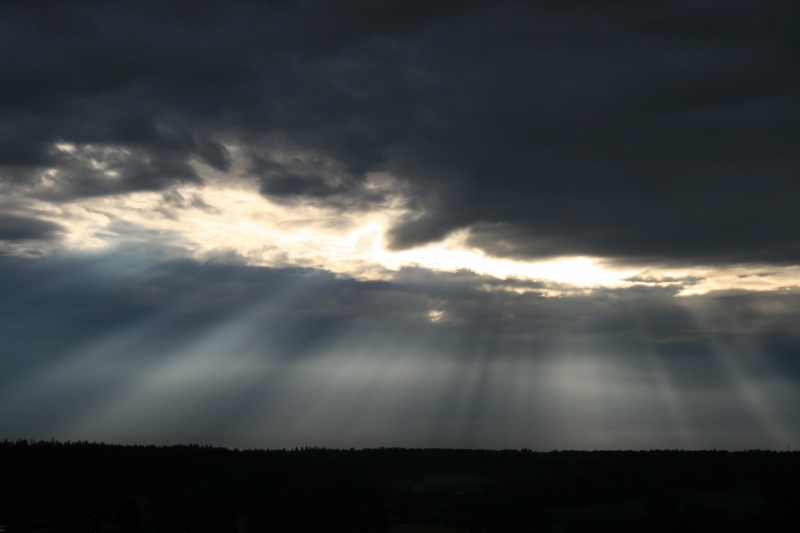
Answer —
(50, 486)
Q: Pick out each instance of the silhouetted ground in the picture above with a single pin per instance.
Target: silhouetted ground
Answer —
(82, 487)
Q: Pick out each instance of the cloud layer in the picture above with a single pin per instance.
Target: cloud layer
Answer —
(634, 131)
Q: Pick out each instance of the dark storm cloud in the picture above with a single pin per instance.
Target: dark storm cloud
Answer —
(13, 228)
(642, 131)
(315, 179)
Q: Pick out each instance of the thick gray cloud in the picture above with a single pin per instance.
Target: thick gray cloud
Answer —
(14, 228)
(640, 131)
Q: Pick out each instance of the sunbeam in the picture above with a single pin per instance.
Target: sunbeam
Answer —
(749, 373)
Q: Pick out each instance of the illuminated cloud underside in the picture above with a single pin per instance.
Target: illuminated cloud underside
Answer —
(228, 220)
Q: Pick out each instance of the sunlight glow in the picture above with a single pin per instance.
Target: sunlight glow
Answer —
(436, 315)
(235, 222)
(226, 219)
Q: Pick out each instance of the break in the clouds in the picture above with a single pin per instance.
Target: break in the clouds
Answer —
(471, 214)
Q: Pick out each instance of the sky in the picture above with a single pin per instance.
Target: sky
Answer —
(473, 224)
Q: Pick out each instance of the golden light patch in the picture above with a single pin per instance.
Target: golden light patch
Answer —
(228, 219)
(436, 315)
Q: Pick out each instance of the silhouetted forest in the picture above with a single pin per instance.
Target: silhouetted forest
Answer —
(82, 487)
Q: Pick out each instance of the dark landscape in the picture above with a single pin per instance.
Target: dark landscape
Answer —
(82, 486)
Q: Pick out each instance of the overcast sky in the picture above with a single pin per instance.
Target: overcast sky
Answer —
(500, 224)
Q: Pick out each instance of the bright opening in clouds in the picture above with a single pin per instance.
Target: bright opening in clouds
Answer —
(227, 220)
(491, 224)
